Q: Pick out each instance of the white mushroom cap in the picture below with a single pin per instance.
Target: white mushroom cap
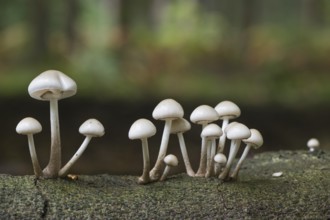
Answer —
(204, 114)
(141, 128)
(180, 125)
(313, 143)
(168, 109)
(28, 126)
(237, 131)
(211, 131)
(171, 160)
(92, 127)
(227, 110)
(52, 84)
(220, 158)
(255, 140)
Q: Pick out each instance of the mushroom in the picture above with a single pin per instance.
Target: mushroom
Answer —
(226, 110)
(255, 141)
(143, 129)
(211, 132)
(236, 132)
(313, 144)
(203, 115)
(30, 126)
(170, 161)
(179, 126)
(53, 85)
(167, 110)
(90, 128)
(220, 161)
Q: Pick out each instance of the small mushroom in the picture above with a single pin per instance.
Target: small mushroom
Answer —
(236, 132)
(30, 126)
(203, 115)
(170, 161)
(143, 129)
(220, 161)
(167, 110)
(90, 128)
(227, 110)
(53, 85)
(211, 132)
(255, 141)
(179, 126)
(313, 144)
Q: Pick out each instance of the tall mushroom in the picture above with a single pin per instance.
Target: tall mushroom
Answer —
(211, 132)
(179, 126)
(53, 85)
(255, 141)
(30, 126)
(226, 110)
(236, 132)
(167, 110)
(90, 128)
(203, 115)
(143, 129)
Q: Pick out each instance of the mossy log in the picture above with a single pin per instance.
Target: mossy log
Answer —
(302, 192)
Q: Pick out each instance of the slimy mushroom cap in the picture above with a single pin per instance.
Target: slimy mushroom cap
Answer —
(204, 114)
(220, 158)
(227, 110)
(255, 140)
(211, 131)
(171, 160)
(141, 128)
(28, 126)
(180, 125)
(235, 131)
(92, 127)
(168, 109)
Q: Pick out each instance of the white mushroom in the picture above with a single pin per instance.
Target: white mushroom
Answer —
(170, 161)
(53, 85)
(90, 128)
(30, 126)
(313, 144)
(220, 161)
(179, 126)
(255, 141)
(143, 129)
(203, 115)
(167, 110)
(211, 132)
(236, 132)
(226, 110)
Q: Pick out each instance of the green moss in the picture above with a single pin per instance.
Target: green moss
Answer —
(302, 192)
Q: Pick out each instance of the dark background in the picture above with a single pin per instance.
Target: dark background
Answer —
(269, 57)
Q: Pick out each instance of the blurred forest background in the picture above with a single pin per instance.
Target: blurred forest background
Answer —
(272, 58)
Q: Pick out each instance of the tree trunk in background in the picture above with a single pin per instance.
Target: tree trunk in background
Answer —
(73, 9)
(40, 23)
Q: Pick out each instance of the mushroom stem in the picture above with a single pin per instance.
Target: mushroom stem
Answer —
(222, 140)
(146, 163)
(210, 163)
(54, 164)
(155, 172)
(240, 162)
(36, 166)
(232, 154)
(202, 163)
(166, 172)
(184, 152)
(64, 171)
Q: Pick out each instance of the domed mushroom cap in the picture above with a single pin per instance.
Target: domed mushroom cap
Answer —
(28, 126)
(313, 143)
(171, 160)
(92, 127)
(52, 84)
(211, 131)
(255, 140)
(227, 110)
(204, 114)
(220, 158)
(141, 128)
(180, 125)
(168, 109)
(237, 131)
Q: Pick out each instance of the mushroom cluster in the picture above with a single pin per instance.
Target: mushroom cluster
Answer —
(212, 162)
(52, 86)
